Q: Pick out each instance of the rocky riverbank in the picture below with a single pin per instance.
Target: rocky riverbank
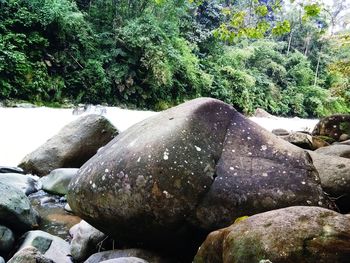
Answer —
(198, 182)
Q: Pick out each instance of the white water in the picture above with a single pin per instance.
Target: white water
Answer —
(22, 130)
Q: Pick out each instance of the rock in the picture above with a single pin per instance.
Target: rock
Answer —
(344, 137)
(138, 253)
(261, 113)
(15, 209)
(52, 247)
(28, 184)
(29, 255)
(85, 240)
(305, 141)
(71, 147)
(48, 200)
(10, 169)
(339, 150)
(2, 260)
(333, 126)
(280, 132)
(58, 180)
(347, 142)
(170, 179)
(334, 173)
(125, 260)
(293, 234)
(6, 239)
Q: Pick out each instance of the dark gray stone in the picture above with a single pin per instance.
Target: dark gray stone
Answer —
(193, 168)
(71, 147)
(16, 211)
(7, 239)
(289, 235)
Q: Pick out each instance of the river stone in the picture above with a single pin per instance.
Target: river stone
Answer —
(2, 260)
(340, 150)
(125, 260)
(189, 170)
(28, 184)
(133, 252)
(52, 247)
(16, 211)
(6, 239)
(305, 141)
(85, 240)
(10, 169)
(334, 173)
(58, 180)
(71, 147)
(333, 126)
(289, 235)
(29, 254)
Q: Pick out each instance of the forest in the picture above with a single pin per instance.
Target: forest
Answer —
(288, 58)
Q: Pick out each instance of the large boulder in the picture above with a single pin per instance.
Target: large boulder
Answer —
(293, 234)
(16, 211)
(72, 146)
(85, 240)
(125, 260)
(58, 180)
(126, 253)
(341, 150)
(333, 126)
(334, 173)
(50, 246)
(189, 170)
(28, 184)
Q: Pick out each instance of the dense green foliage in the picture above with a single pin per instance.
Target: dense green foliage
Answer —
(155, 54)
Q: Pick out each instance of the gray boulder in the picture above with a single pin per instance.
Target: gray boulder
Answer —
(333, 126)
(339, 150)
(186, 171)
(289, 235)
(71, 147)
(85, 240)
(51, 247)
(30, 255)
(58, 180)
(305, 141)
(16, 211)
(2, 260)
(28, 184)
(126, 253)
(6, 239)
(334, 173)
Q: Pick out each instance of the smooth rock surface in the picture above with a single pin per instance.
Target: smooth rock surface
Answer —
(85, 240)
(189, 170)
(71, 147)
(58, 180)
(335, 150)
(7, 239)
(334, 173)
(289, 235)
(52, 247)
(28, 184)
(29, 254)
(305, 141)
(134, 252)
(16, 211)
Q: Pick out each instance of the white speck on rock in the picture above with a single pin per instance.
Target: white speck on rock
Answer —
(265, 174)
(231, 168)
(197, 148)
(106, 170)
(93, 185)
(263, 148)
(303, 182)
